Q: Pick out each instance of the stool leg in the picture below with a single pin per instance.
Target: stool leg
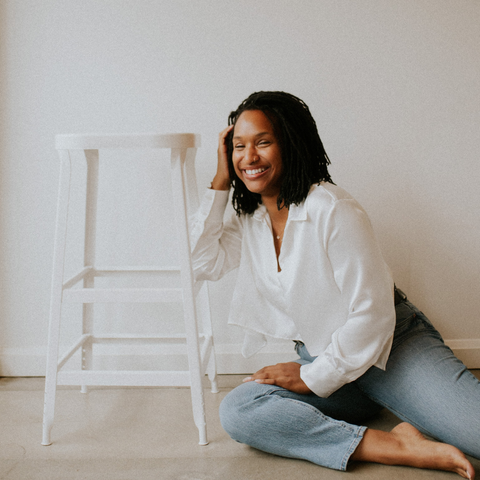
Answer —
(194, 360)
(212, 372)
(56, 297)
(193, 349)
(203, 305)
(196, 388)
(92, 158)
(87, 327)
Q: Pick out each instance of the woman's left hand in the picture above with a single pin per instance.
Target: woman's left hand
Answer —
(285, 375)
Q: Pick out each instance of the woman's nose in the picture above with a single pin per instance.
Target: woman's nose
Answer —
(251, 155)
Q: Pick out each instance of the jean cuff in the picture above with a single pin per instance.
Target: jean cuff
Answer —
(353, 446)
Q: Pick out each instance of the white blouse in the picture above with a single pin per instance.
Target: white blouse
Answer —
(334, 291)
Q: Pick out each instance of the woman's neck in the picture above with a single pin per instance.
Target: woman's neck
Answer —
(272, 208)
(277, 217)
(278, 220)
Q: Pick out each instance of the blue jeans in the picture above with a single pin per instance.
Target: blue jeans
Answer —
(424, 384)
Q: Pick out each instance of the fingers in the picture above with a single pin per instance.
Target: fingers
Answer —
(225, 131)
(222, 136)
(221, 180)
(260, 375)
(285, 375)
(269, 381)
(265, 375)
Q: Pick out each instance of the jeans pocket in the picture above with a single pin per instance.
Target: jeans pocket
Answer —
(406, 321)
(404, 312)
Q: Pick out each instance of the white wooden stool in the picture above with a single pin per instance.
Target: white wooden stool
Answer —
(180, 282)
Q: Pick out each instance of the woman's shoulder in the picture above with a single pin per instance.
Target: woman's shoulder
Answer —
(326, 194)
(328, 203)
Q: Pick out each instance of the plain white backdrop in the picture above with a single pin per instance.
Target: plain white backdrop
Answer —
(394, 87)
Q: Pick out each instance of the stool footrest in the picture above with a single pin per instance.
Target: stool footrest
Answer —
(172, 274)
(134, 378)
(132, 339)
(76, 278)
(170, 342)
(123, 295)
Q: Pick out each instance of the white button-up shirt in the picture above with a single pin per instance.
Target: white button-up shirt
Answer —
(334, 291)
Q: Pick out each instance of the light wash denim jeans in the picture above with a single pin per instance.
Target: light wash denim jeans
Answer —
(424, 384)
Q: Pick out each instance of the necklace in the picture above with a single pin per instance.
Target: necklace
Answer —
(276, 232)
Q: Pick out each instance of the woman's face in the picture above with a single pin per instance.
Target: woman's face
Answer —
(256, 154)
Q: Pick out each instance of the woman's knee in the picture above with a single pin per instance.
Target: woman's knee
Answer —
(237, 411)
(228, 413)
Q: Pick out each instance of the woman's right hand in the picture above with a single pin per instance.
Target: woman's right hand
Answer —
(221, 180)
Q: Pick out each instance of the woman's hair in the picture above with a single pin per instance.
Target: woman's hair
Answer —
(304, 160)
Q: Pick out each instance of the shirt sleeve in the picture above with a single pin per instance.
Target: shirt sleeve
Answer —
(216, 245)
(364, 279)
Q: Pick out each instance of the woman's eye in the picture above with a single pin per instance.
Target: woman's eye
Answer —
(238, 146)
(264, 142)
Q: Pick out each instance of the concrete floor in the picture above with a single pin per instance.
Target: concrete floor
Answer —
(147, 433)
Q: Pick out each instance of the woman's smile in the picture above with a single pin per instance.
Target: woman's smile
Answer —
(256, 171)
(253, 174)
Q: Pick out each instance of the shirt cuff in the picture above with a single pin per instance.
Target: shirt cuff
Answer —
(322, 378)
(213, 204)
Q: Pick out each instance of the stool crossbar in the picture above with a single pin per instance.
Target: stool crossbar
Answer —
(181, 285)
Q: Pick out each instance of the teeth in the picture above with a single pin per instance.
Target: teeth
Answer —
(253, 172)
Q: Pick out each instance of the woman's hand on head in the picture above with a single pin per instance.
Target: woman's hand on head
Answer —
(285, 375)
(221, 180)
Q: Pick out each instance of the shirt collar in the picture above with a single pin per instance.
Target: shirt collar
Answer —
(297, 213)
(260, 213)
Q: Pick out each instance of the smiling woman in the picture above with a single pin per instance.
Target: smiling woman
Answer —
(311, 271)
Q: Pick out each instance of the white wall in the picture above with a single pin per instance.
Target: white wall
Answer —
(393, 85)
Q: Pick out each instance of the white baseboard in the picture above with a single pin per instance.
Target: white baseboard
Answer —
(22, 362)
(30, 362)
(468, 351)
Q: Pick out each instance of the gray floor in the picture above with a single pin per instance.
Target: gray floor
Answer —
(146, 433)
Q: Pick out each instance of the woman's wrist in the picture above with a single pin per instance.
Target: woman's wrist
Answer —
(220, 183)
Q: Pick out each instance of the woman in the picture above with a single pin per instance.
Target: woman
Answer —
(310, 270)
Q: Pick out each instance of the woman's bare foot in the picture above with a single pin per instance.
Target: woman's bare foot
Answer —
(405, 445)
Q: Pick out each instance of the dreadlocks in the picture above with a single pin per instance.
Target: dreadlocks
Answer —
(304, 160)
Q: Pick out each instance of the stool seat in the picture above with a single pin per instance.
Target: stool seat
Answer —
(177, 282)
(134, 140)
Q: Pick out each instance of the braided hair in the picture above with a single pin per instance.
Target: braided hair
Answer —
(304, 160)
